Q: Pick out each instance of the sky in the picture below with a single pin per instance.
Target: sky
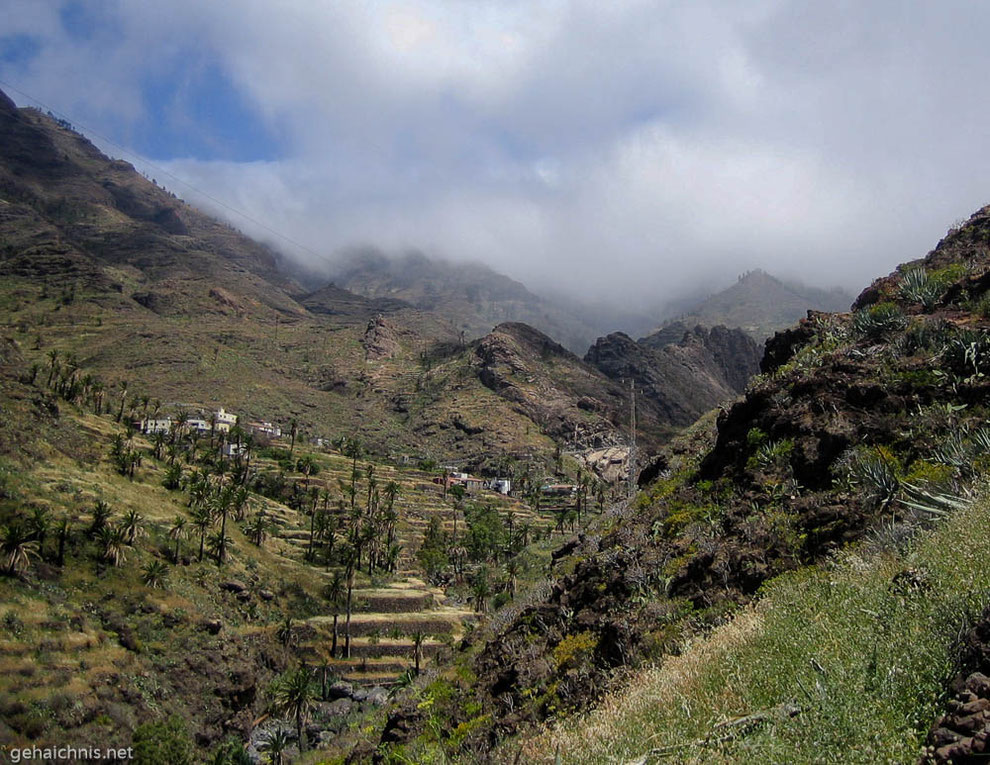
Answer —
(627, 151)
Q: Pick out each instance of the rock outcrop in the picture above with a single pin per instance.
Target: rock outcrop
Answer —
(677, 383)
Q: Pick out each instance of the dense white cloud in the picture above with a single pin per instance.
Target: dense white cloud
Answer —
(628, 148)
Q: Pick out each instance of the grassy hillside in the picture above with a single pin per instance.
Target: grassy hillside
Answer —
(862, 652)
(121, 611)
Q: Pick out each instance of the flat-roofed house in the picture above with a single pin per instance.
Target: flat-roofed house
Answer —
(224, 420)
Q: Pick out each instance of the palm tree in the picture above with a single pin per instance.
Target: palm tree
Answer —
(18, 547)
(458, 554)
(239, 498)
(294, 696)
(284, 632)
(175, 532)
(481, 589)
(202, 520)
(154, 574)
(101, 515)
(217, 544)
(223, 501)
(325, 667)
(275, 743)
(458, 493)
(293, 432)
(131, 525)
(158, 444)
(335, 594)
(258, 528)
(38, 525)
(64, 530)
(53, 365)
(114, 540)
(123, 398)
(351, 558)
(419, 637)
(512, 572)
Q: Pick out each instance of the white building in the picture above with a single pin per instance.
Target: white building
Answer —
(265, 429)
(224, 420)
(161, 425)
(234, 449)
(501, 485)
(197, 424)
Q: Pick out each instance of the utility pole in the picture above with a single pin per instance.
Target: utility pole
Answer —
(632, 438)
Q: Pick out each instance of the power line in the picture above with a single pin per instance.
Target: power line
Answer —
(144, 160)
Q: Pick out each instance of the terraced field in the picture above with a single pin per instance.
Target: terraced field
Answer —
(388, 611)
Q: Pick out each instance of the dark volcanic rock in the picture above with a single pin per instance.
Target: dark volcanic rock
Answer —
(962, 734)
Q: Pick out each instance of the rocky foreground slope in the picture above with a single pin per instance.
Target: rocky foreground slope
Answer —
(852, 413)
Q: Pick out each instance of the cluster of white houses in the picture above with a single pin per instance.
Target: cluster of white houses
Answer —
(220, 421)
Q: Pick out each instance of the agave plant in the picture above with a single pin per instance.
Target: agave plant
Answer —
(872, 472)
(968, 353)
(933, 503)
(275, 743)
(955, 452)
(918, 287)
(878, 320)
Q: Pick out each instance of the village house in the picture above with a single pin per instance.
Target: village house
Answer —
(266, 429)
(197, 425)
(558, 489)
(470, 483)
(224, 420)
(234, 449)
(501, 485)
(159, 425)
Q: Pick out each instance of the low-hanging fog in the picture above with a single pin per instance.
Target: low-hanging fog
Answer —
(626, 151)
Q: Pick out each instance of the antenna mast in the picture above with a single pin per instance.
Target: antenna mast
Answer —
(632, 438)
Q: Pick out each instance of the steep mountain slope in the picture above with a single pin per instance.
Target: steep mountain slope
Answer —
(758, 303)
(148, 293)
(680, 381)
(857, 424)
(570, 399)
(475, 298)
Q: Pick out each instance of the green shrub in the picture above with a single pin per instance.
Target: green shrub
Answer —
(573, 650)
(982, 306)
(756, 437)
(164, 742)
(925, 473)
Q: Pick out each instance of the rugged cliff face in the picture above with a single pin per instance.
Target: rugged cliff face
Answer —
(679, 382)
(570, 400)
